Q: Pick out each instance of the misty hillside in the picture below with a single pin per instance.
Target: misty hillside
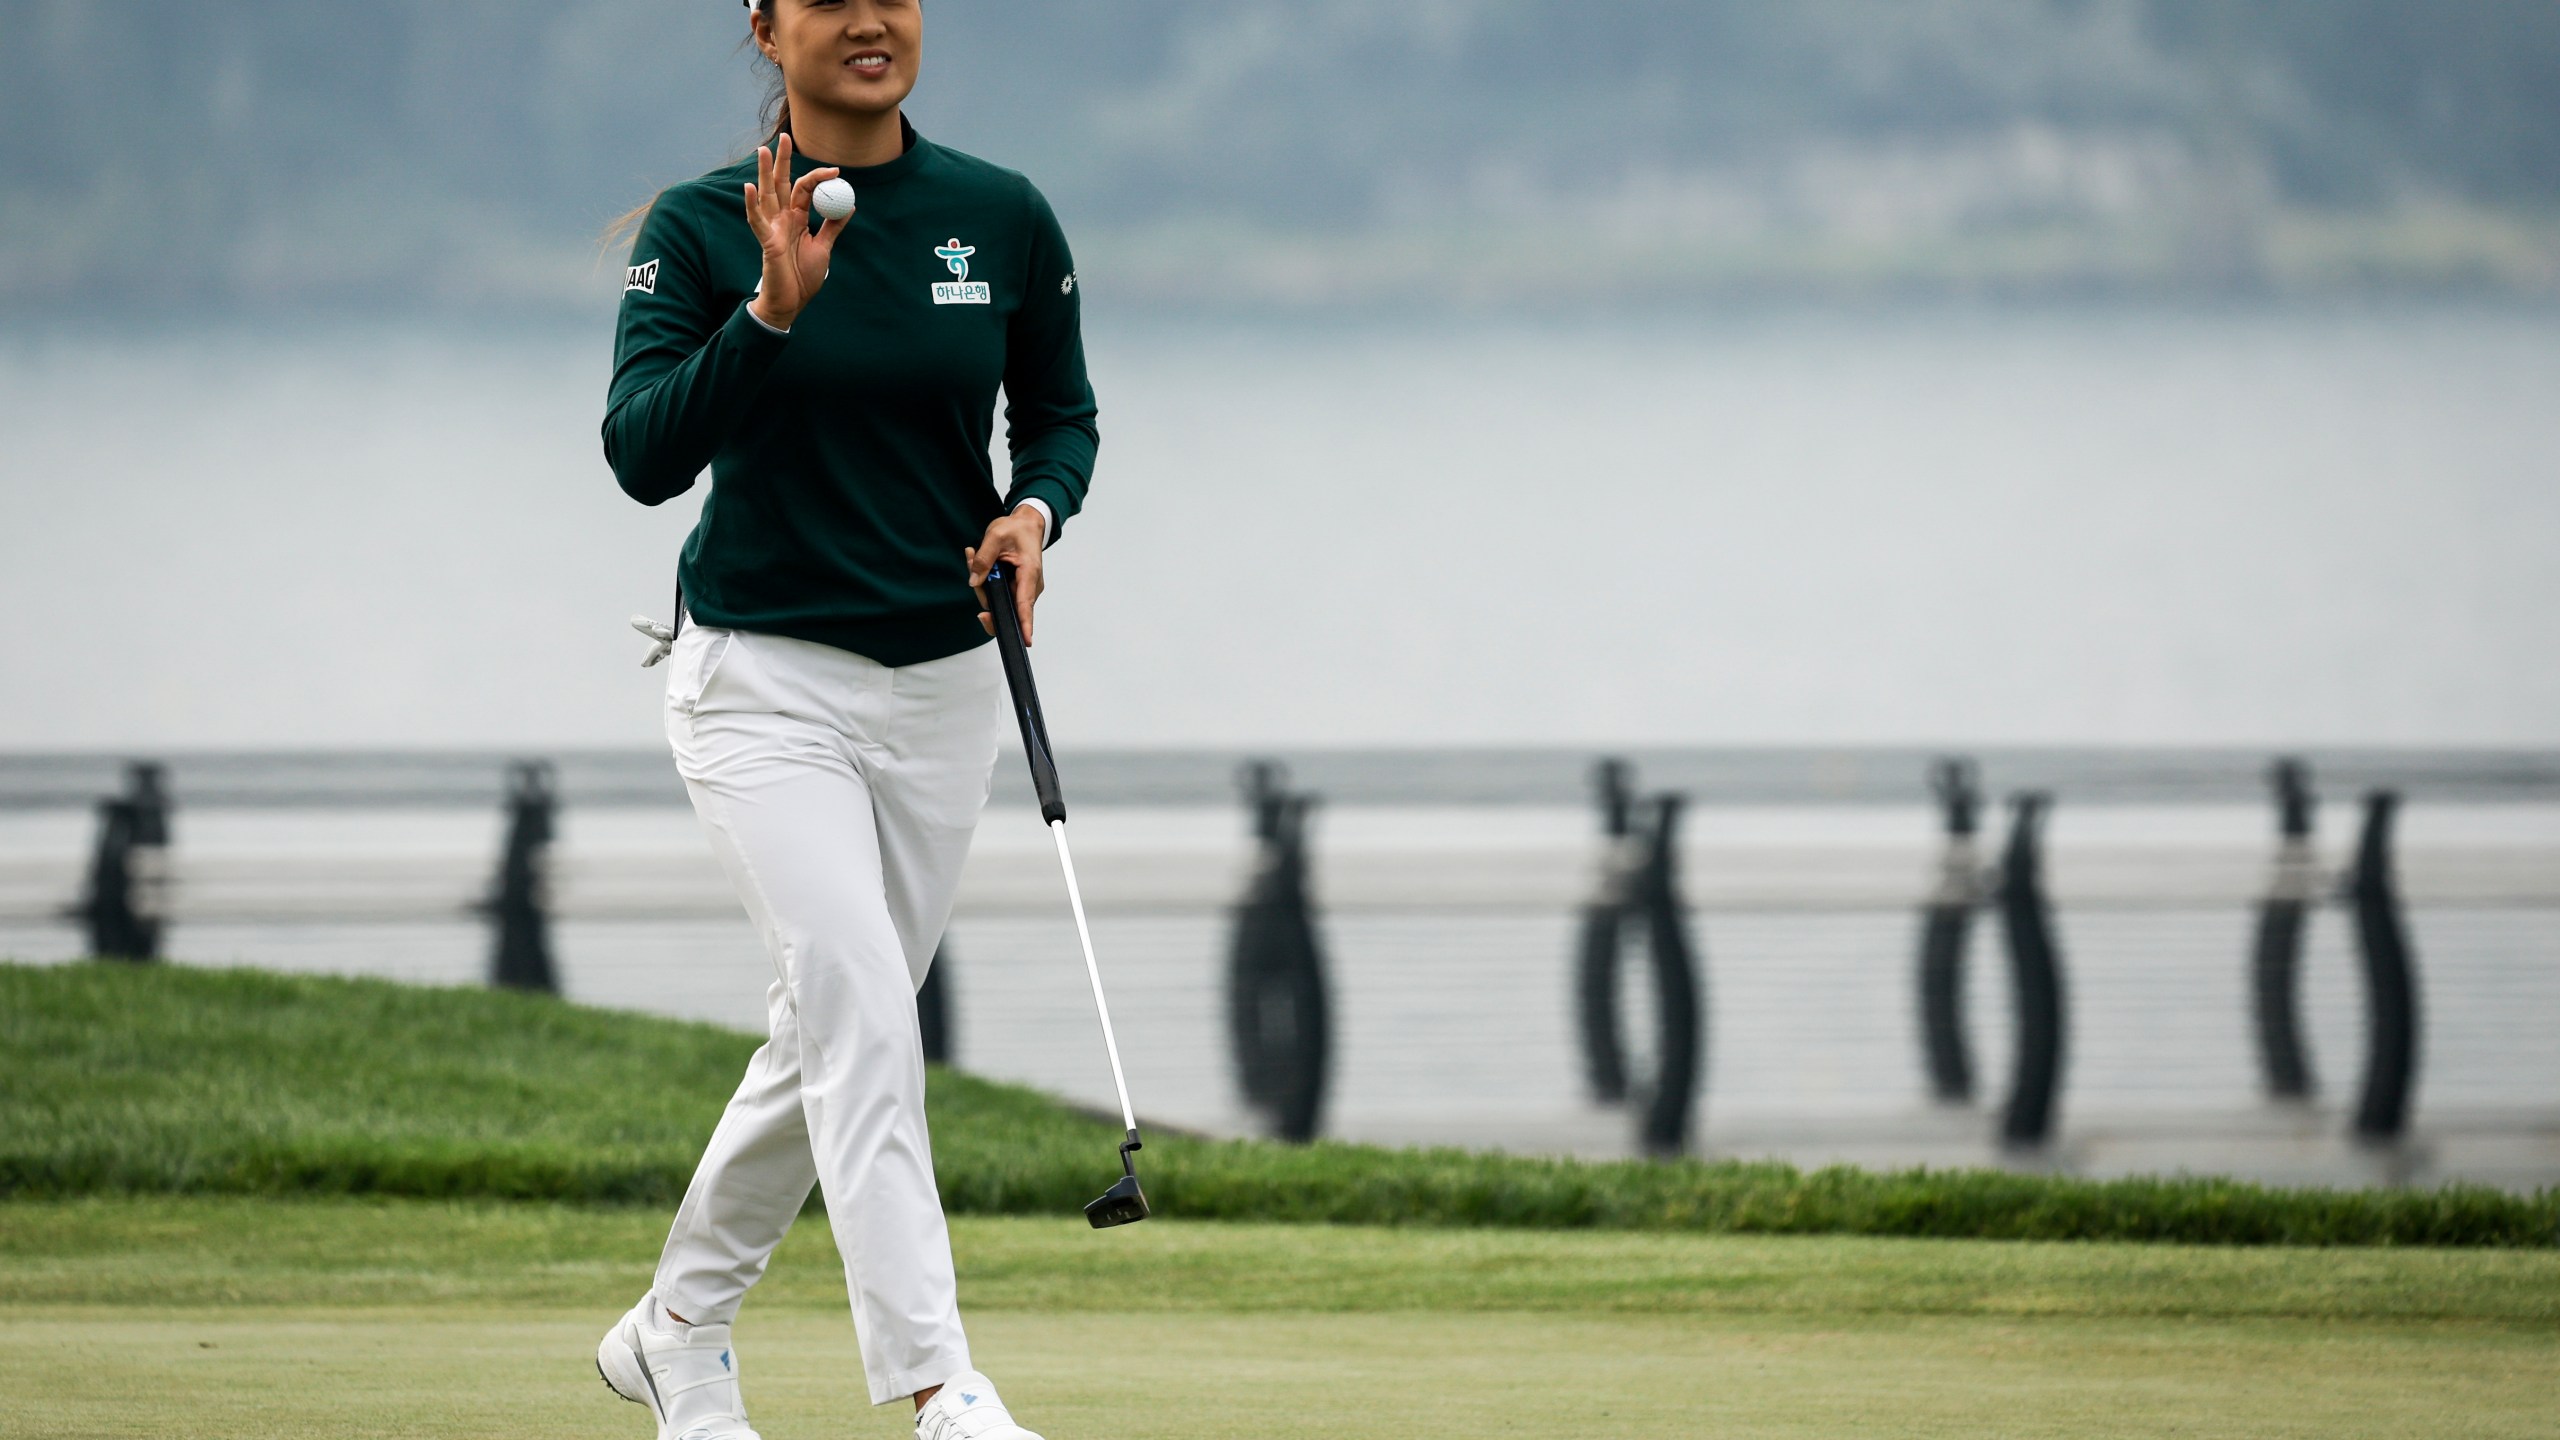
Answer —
(289, 153)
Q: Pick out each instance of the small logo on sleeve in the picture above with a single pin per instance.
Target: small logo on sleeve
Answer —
(1068, 285)
(960, 289)
(642, 277)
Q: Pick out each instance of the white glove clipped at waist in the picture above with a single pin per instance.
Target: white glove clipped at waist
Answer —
(665, 637)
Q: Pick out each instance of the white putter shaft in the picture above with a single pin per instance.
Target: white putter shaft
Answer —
(1093, 972)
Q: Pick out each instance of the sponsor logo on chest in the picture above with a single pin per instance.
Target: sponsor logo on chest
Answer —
(959, 289)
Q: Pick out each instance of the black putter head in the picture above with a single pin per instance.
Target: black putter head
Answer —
(1124, 1203)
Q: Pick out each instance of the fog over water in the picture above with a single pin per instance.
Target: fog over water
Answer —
(1973, 526)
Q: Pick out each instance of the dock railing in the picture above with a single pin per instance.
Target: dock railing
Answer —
(1646, 897)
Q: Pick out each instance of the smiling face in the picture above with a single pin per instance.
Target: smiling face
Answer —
(855, 56)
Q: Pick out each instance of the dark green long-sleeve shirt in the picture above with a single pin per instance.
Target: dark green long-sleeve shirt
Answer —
(848, 459)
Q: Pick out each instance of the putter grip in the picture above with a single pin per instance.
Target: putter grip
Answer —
(1026, 696)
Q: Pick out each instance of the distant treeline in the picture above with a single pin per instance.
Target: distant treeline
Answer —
(293, 152)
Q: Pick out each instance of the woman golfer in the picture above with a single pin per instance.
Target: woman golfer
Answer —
(831, 701)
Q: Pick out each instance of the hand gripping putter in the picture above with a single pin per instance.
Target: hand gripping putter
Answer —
(1124, 1202)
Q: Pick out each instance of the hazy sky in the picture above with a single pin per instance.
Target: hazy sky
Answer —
(421, 155)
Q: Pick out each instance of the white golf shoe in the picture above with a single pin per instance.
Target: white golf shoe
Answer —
(686, 1374)
(966, 1408)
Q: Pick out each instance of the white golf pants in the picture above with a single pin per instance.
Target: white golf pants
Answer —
(841, 795)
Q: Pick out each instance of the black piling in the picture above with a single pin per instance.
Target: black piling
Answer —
(935, 1023)
(1278, 1009)
(1638, 897)
(2276, 959)
(518, 905)
(1946, 923)
(2035, 969)
(2391, 979)
(1669, 1102)
(124, 906)
(1597, 938)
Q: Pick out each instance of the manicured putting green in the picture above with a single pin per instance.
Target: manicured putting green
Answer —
(438, 1371)
(253, 1317)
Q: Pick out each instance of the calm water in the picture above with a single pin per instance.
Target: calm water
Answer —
(1989, 527)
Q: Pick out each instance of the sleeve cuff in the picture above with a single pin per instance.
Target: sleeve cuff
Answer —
(1056, 503)
(1048, 518)
(748, 323)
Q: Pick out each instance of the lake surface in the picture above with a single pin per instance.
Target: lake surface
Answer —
(1977, 527)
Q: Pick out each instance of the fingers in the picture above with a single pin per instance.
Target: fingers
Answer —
(978, 573)
(1027, 585)
(773, 189)
(978, 587)
(781, 196)
(758, 189)
(804, 194)
(1014, 541)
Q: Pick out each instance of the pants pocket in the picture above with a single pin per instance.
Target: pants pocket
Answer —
(698, 653)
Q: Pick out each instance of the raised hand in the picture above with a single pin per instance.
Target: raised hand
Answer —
(795, 261)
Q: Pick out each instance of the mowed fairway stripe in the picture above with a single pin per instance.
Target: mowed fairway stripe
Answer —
(364, 1372)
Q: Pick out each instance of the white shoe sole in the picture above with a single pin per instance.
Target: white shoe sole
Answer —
(619, 1365)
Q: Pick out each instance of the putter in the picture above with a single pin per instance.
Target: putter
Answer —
(1124, 1203)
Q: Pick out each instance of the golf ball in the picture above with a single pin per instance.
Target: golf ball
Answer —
(834, 199)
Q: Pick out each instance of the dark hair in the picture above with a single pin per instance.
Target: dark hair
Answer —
(777, 101)
(774, 120)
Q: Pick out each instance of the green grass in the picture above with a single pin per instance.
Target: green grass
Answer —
(295, 1318)
(475, 1254)
(355, 1374)
(140, 1080)
(236, 1205)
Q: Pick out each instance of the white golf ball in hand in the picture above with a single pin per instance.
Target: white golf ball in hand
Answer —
(833, 199)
